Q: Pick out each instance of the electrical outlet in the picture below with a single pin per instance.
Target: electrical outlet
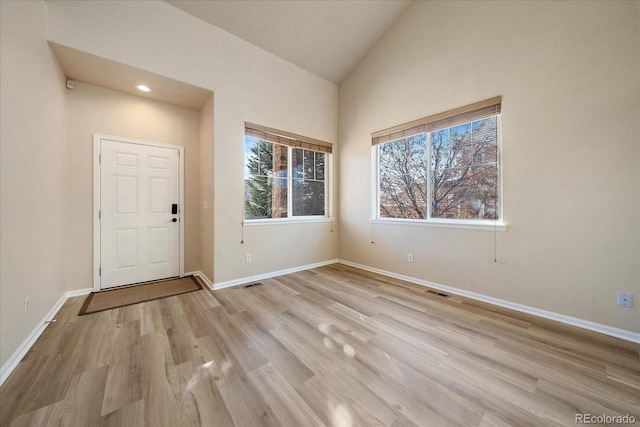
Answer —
(625, 299)
(26, 304)
(410, 257)
(247, 258)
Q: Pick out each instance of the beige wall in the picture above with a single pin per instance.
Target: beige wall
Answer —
(206, 188)
(249, 85)
(92, 110)
(33, 168)
(569, 76)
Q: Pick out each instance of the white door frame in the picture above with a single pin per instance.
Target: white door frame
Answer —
(97, 138)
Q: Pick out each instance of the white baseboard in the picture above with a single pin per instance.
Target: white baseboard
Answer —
(580, 323)
(78, 293)
(22, 350)
(243, 280)
(202, 276)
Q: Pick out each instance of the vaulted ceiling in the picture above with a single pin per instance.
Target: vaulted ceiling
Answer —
(326, 37)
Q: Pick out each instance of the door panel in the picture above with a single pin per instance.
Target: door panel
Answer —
(126, 248)
(138, 240)
(159, 189)
(126, 195)
(159, 242)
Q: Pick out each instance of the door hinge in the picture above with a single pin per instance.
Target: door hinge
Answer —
(99, 271)
(99, 214)
(99, 158)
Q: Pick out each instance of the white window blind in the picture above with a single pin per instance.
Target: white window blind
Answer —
(286, 138)
(468, 113)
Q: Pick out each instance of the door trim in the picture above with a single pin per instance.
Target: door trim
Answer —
(97, 139)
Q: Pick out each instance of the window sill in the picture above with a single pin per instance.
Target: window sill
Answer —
(283, 221)
(461, 224)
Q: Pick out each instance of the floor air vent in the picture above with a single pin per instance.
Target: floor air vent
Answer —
(251, 285)
(440, 294)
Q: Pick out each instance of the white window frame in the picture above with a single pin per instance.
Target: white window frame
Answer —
(328, 195)
(474, 224)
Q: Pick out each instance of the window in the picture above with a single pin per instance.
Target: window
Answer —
(284, 174)
(308, 182)
(443, 168)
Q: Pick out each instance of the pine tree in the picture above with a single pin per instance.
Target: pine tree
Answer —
(259, 185)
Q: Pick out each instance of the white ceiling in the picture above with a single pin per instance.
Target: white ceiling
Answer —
(87, 68)
(326, 37)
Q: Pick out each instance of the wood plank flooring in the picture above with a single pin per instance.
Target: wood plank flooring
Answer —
(332, 346)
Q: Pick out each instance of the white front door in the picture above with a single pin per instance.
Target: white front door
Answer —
(139, 217)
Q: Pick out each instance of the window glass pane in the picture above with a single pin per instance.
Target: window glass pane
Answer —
(265, 179)
(266, 157)
(308, 187)
(257, 198)
(279, 198)
(309, 166)
(472, 196)
(251, 164)
(464, 171)
(485, 141)
(403, 180)
(279, 187)
(439, 148)
(320, 166)
(308, 197)
(298, 163)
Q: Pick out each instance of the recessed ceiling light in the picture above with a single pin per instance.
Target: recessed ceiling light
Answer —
(143, 88)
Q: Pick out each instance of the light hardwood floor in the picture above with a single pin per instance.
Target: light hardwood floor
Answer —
(331, 346)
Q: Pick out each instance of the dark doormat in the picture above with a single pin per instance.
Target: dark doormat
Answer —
(120, 297)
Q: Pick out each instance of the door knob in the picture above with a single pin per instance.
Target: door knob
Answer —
(174, 219)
